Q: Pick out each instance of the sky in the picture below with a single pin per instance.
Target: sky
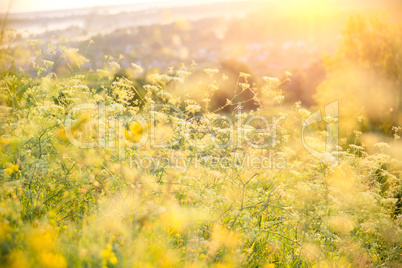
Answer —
(18, 6)
(44, 5)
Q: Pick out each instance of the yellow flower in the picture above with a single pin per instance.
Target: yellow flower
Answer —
(222, 237)
(113, 259)
(109, 255)
(61, 133)
(10, 170)
(84, 118)
(174, 218)
(49, 259)
(17, 259)
(4, 230)
(106, 254)
(4, 141)
(41, 240)
(134, 132)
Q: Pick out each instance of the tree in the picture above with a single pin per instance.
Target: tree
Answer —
(365, 75)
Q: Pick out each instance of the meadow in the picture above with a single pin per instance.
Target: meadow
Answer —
(150, 169)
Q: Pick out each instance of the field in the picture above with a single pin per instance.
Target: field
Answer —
(107, 163)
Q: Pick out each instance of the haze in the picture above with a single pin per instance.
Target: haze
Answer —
(18, 6)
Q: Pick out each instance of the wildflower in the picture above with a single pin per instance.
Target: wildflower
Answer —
(222, 237)
(13, 168)
(183, 74)
(150, 88)
(113, 259)
(178, 80)
(271, 80)
(211, 72)
(174, 218)
(109, 255)
(395, 130)
(164, 95)
(193, 108)
(123, 84)
(103, 73)
(34, 43)
(16, 258)
(170, 70)
(4, 141)
(134, 132)
(80, 87)
(61, 133)
(160, 78)
(357, 133)
(244, 75)
(84, 118)
(244, 86)
(382, 146)
(279, 99)
(49, 259)
(304, 113)
(73, 57)
(330, 120)
(41, 240)
(47, 63)
(113, 66)
(356, 147)
(137, 68)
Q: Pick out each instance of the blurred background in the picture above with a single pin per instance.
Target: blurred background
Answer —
(336, 50)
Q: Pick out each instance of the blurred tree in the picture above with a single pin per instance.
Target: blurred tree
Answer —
(365, 75)
(374, 45)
